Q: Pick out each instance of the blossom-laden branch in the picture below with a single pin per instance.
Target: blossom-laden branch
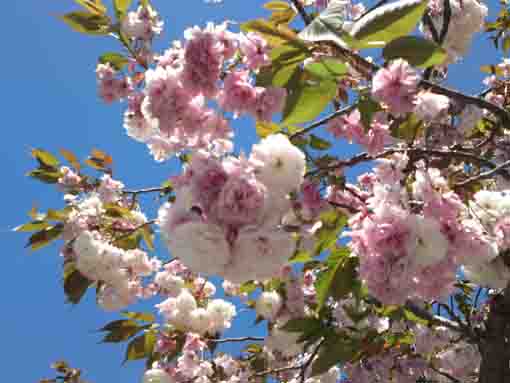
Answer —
(236, 340)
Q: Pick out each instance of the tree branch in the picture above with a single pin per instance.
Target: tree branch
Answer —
(301, 9)
(322, 121)
(484, 175)
(242, 339)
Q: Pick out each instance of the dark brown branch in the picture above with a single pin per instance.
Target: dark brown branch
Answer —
(323, 121)
(447, 14)
(433, 319)
(242, 339)
(302, 12)
(277, 370)
(157, 189)
(371, 9)
(484, 175)
(445, 374)
(494, 345)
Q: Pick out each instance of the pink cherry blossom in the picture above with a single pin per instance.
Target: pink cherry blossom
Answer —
(348, 126)
(255, 50)
(396, 86)
(238, 94)
(268, 101)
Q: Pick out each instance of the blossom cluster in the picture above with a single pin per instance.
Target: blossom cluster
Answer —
(169, 108)
(227, 213)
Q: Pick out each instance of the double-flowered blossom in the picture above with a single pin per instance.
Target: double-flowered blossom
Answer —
(143, 24)
(225, 220)
(169, 107)
(466, 18)
(111, 86)
(396, 86)
(183, 313)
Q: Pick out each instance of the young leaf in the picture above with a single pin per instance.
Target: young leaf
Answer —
(45, 159)
(45, 237)
(276, 5)
(88, 23)
(318, 143)
(265, 128)
(46, 176)
(141, 347)
(32, 226)
(93, 6)
(116, 60)
(417, 51)
(274, 34)
(121, 7)
(327, 69)
(75, 284)
(339, 279)
(388, 22)
(335, 350)
(143, 317)
(71, 158)
(307, 100)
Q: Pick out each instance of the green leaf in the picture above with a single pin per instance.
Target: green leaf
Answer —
(326, 237)
(302, 324)
(121, 7)
(328, 26)
(388, 22)
(71, 158)
(339, 279)
(88, 23)
(274, 34)
(506, 45)
(327, 69)
(301, 257)
(46, 176)
(120, 331)
(58, 215)
(265, 128)
(143, 317)
(307, 100)
(93, 6)
(45, 159)
(116, 211)
(417, 51)
(45, 237)
(335, 350)
(407, 130)
(116, 60)
(148, 236)
(276, 5)
(248, 287)
(367, 108)
(32, 226)
(141, 347)
(318, 143)
(75, 283)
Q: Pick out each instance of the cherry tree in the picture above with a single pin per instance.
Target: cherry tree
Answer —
(400, 274)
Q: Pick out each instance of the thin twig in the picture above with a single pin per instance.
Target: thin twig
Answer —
(242, 339)
(131, 231)
(446, 375)
(447, 14)
(371, 9)
(309, 361)
(323, 121)
(147, 190)
(301, 9)
(484, 175)
(277, 370)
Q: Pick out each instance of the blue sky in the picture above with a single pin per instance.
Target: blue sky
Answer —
(49, 98)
